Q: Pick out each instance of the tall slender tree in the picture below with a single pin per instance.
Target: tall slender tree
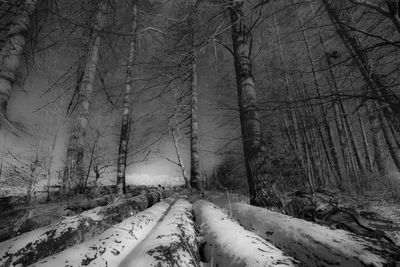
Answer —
(194, 138)
(262, 186)
(126, 110)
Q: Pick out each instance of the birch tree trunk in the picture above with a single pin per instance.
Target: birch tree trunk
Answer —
(11, 55)
(74, 169)
(194, 150)
(262, 187)
(126, 111)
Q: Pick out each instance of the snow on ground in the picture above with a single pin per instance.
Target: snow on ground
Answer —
(109, 248)
(154, 180)
(390, 214)
(312, 244)
(226, 243)
(171, 243)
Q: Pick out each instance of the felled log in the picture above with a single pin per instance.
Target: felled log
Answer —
(171, 243)
(313, 244)
(48, 240)
(110, 247)
(226, 243)
(86, 204)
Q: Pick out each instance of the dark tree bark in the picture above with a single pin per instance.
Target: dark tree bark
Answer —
(126, 111)
(262, 186)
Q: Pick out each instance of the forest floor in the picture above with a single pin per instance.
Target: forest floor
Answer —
(380, 213)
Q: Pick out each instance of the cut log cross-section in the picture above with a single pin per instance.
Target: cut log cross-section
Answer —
(313, 244)
(32, 246)
(112, 246)
(226, 243)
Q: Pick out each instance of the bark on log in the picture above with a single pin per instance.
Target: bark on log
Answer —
(112, 246)
(226, 243)
(313, 244)
(87, 204)
(172, 243)
(45, 241)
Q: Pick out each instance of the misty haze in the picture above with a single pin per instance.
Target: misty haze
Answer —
(205, 133)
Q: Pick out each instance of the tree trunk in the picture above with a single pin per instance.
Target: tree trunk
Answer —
(11, 55)
(194, 150)
(391, 145)
(376, 143)
(262, 187)
(353, 143)
(74, 169)
(368, 159)
(126, 111)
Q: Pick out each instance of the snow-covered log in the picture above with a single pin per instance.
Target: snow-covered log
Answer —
(171, 243)
(313, 244)
(48, 240)
(226, 243)
(109, 248)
